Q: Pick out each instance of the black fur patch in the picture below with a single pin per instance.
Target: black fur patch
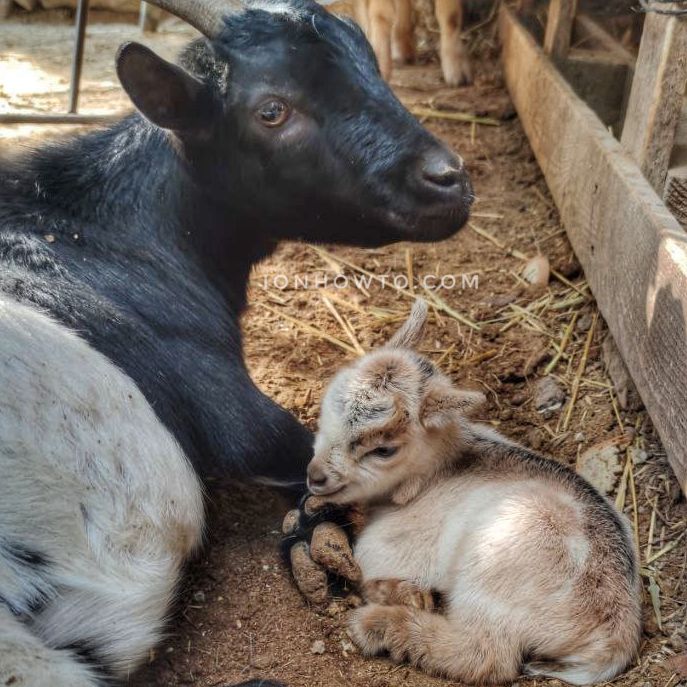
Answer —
(87, 653)
(427, 369)
(23, 555)
(133, 288)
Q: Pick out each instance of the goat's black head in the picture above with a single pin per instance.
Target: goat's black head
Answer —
(283, 115)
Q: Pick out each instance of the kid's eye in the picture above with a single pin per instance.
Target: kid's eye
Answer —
(383, 452)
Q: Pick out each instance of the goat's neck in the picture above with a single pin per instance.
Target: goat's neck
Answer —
(128, 191)
(445, 453)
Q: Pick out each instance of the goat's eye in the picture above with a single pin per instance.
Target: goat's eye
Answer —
(273, 112)
(383, 451)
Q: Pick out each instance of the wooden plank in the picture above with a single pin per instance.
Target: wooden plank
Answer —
(633, 251)
(559, 26)
(656, 98)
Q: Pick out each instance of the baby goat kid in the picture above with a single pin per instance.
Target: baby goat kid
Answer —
(537, 569)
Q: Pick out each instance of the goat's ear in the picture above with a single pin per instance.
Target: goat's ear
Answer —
(443, 402)
(410, 334)
(164, 93)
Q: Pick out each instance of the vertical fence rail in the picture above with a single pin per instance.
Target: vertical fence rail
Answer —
(657, 94)
(77, 57)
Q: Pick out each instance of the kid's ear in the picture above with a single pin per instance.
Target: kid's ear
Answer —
(443, 402)
(163, 92)
(410, 334)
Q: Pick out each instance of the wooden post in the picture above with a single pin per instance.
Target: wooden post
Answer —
(656, 98)
(559, 28)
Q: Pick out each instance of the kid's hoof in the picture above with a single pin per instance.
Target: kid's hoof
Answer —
(376, 629)
(291, 522)
(313, 505)
(311, 578)
(330, 548)
(398, 593)
(316, 547)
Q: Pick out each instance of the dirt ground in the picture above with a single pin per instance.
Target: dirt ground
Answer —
(239, 615)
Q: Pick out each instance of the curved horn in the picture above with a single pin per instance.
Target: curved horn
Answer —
(204, 15)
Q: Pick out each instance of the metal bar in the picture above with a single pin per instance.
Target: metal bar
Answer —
(47, 118)
(77, 59)
(143, 16)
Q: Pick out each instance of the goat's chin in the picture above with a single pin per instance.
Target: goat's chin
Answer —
(341, 497)
(335, 496)
(347, 495)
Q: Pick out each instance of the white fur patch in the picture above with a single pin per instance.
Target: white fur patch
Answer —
(95, 484)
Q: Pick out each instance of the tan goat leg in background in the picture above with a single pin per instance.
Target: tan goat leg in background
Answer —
(455, 61)
(403, 41)
(380, 17)
(361, 15)
(433, 643)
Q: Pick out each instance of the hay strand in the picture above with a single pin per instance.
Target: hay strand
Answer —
(310, 329)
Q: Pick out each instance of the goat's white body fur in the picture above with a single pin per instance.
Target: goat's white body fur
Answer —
(93, 482)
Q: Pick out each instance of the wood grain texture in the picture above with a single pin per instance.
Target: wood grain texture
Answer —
(559, 26)
(633, 251)
(656, 98)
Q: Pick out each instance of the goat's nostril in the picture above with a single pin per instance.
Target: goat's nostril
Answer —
(316, 477)
(441, 175)
(441, 170)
